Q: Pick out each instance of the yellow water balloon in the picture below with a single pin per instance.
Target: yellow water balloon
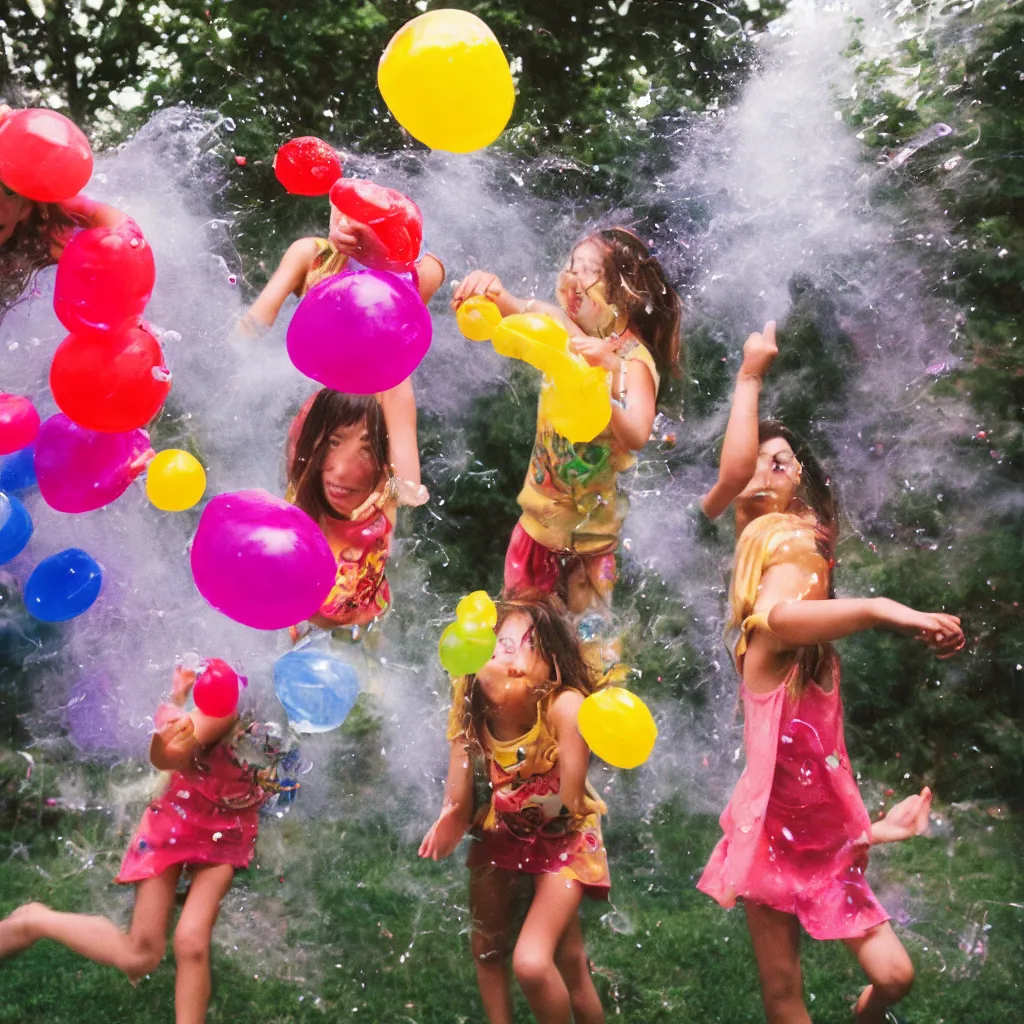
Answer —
(175, 480)
(618, 727)
(477, 318)
(446, 81)
(477, 608)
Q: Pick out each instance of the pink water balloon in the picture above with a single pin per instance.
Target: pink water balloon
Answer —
(19, 423)
(261, 561)
(361, 332)
(79, 470)
(104, 279)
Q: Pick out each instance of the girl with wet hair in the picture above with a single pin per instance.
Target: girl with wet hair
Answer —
(796, 832)
(540, 820)
(623, 315)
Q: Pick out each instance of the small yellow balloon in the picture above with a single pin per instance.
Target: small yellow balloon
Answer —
(477, 318)
(175, 480)
(618, 727)
(575, 399)
(446, 81)
(477, 608)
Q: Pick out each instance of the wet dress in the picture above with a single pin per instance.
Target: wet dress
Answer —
(796, 832)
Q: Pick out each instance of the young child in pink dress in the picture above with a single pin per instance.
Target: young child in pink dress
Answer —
(797, 833)
(542, 821)
(205, 823)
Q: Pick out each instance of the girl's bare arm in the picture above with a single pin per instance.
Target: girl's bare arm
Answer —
(285, 281)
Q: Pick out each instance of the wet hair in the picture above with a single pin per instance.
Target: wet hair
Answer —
(330, 411)
(327, 262)
(637, 286)
(557, 643)
(815, 489)
(27, 251)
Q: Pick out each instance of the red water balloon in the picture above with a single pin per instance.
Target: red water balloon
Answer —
(307, 166)
(104, 278)
(43, 156)
(216, 689)
(19, 423)
(110, 382)
(394, 217)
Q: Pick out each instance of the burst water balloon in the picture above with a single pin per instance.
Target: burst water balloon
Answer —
(307, 166)
(91, 713)
(43, 156)
(446, 81)
(361, 332)
(63, 586)
(105, 277)
(19, 423)
(261, 561)
(317, 689)
(79, 470)
(477, 318)
(15, 527)
(110, 381)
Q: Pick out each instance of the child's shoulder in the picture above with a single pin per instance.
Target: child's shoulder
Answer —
(564, 706)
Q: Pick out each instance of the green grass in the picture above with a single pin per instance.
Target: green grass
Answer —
(341, 921)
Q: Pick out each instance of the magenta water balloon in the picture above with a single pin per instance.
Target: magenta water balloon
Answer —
(361, 332)
(79, 470)
(261, 561)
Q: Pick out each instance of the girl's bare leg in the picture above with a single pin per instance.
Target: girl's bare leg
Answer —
(210, 884)
(492, 895)
(573, 965)
(776, 938)
(136, 953)
(889, 970)
(556, 901)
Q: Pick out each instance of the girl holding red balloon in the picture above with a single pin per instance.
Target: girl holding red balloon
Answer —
(616, 302)
(205, 823)
(541, 821)
(44, 163)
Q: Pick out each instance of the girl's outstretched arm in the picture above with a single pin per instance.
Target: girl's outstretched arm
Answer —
(573, 752)
(739, 448)
(173, 747)
(483, 282)
(430, 274)
(908, 818)
(399, 405)
(286, 280)
(457, 811)
(92, 214)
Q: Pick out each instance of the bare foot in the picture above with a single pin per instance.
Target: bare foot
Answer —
(17, 932)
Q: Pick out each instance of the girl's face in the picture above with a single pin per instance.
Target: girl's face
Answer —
(582, 289)
(516, 669)
(14, 209)
(350, 472)
(775, 481)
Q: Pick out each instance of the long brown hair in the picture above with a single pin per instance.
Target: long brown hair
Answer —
(330, 411)
(557, 643)
(28, 250)
(637, 285)
(816, 488)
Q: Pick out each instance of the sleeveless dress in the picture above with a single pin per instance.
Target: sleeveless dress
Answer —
(796, 832)
(524, 826)
(209, 813)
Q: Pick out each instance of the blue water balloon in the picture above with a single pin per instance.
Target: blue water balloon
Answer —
(15, 527)
(317, 690)
(63, 585)
(18, 471)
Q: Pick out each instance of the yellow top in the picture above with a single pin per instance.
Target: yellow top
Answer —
(570, 499)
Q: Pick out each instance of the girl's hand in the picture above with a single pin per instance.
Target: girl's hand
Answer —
(5, 112)
(181, 685)
(601, 352)
(905, 820)
(358, 241)
(940, 631)
(177, 737)
(477, 282)
(409, 494)
(759, 352)
(445, 834)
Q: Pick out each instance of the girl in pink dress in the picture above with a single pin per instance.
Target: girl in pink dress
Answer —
(205, 822)
(542, 820)
(796, 832)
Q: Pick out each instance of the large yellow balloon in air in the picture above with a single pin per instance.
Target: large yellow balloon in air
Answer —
(446, 81)
(175, 480)
(617, 727)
